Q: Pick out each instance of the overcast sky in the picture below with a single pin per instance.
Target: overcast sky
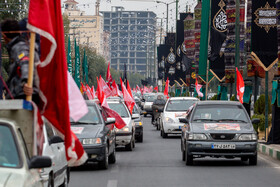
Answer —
(143, 5)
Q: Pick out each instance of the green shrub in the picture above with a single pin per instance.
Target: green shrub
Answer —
(215, 97)
(259, 107)
(261, 125)
(171, 94)
(232, 98)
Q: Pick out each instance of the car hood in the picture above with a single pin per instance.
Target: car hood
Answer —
(86, 131)
(10, 178)
(222, 127)
(175, 115)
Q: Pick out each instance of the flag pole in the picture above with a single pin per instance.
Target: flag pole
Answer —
(31, 63)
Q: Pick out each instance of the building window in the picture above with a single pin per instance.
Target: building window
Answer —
(106, 21)
(123, 54)
(142, 14)
(141, 67)
(141, 54)
(132, 54)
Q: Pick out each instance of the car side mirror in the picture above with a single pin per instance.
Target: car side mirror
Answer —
(183, 120)
(55, 139)
(109, 121)
(256, 120)
(135, 116)
(37, 162)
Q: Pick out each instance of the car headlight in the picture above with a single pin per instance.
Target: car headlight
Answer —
(197, 137)
(246, 137)
(126, 129)
(91, 141)
(169, 120)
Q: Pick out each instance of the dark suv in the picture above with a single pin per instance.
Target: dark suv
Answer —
(97, 135)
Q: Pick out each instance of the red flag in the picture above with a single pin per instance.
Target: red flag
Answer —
(108, 75)
(129, 101)
(138, 88)
(156, 88)
(239, 86)
(104, 87)
(89, 93)
(93, 92)
(129, 89)
(145, 89)
(45, 18)
(115, 89)
(83, 87)
(197, 88)
(166, 89)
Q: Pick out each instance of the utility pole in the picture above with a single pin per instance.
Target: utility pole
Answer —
(237, 39)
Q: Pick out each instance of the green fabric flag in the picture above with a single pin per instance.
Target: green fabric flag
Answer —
(247, 94)
(85, 68)
(222, 93)
(77, 75)
(203, 54)
(275, 93)
(69, 61)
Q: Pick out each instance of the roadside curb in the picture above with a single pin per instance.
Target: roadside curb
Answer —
(270, 150)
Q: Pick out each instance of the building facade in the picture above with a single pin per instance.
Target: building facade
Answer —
(133, 36)
(86, 29)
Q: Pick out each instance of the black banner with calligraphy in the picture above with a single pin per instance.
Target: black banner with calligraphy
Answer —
(170, 58)
(217, 37)
(264, 31)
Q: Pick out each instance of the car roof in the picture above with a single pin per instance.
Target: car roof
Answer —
(218, 102)
(184, 98)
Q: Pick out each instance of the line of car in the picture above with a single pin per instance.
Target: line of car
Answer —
(209, 128)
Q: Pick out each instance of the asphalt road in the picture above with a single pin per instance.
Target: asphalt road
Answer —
(157, 162)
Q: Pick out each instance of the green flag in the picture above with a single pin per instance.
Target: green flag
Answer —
(203, 54)
(69, 61)
(85, 68)
(77, 65)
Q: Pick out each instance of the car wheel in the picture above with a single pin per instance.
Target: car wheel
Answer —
(133, 143)
(188, 158)
(157, 125)
(104, 164)
(164, 135)
(129, 146)
(253, 160)
(183, 155)
(50, 181)
(140, 139)
(112, 157)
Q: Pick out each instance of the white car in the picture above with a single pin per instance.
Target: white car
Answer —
(126, 135)
(16, 168)
(58, 174)
(175, 108)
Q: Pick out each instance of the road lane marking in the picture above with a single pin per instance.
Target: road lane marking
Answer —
(112, 183)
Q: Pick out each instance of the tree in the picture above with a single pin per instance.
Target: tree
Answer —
(14, 9)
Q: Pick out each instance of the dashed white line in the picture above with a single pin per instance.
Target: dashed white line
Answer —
(112, 183)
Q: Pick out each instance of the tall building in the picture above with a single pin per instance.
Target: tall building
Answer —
(132, 40)
(86, 29)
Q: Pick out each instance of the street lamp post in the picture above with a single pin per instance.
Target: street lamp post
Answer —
(167, 9)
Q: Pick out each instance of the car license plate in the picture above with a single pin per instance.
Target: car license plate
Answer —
(223, 146)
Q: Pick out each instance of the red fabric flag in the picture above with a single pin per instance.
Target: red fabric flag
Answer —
(115, 89)
(197, 88)
(156, 88)
(151, 89)
(109, 76)
(93, 92)
(83, 87)
(239, 86)
(166, 89)
(88, 92)
(45, 18)
(138, 88)
(104, 87)
(129, 101)
(145, 89)
(129, 89)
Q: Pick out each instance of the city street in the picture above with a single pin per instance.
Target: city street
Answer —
(157, 162)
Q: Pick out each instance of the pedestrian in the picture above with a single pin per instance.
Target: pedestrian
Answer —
(18, 50)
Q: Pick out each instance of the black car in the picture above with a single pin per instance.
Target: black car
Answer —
(138, 124)
(97, 135)
(218, 129)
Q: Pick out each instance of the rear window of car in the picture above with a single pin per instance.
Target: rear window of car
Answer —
(9, 155)
(120, 109)
(179, 105)
(150, 98)
(224, 113)
(92, 117)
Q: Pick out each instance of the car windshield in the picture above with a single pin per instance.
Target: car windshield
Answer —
(91, 117)
(150, 98)
(220, 113)
(179, 105)
(135, 110)
(9, 156)
(120, 109)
